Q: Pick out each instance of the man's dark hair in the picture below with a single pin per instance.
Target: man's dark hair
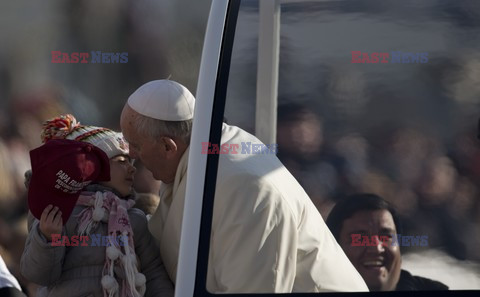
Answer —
(347, 207)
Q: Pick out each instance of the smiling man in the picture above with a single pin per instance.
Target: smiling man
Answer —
(380, 263)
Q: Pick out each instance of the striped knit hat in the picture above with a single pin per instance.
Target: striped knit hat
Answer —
(67, 127)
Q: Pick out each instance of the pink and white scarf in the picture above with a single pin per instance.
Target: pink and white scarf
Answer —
(105, 206)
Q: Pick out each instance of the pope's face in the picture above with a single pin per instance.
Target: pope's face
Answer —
(150, 151)
(379, 265)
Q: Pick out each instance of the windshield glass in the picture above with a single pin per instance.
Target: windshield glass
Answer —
(376, 97)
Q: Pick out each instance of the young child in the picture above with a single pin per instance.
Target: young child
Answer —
(129, 265)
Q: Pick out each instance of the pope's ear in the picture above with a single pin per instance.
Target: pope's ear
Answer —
(169, 146)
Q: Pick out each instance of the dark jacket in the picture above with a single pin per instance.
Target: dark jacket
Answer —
(408, 282)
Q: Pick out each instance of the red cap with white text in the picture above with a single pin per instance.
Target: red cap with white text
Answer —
(61, 168)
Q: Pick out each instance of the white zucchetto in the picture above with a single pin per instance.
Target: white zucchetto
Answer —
(164, 100)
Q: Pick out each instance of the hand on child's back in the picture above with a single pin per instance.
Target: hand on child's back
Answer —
(51, 222)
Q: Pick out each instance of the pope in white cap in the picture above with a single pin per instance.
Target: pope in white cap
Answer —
(267, 235)
(156, 122)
